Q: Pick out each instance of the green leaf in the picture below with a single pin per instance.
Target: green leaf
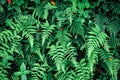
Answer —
(23, 77)
(23, 67)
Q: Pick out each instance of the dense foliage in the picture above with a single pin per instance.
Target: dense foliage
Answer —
(59, 39)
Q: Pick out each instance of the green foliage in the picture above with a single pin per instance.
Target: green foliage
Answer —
(59, 40)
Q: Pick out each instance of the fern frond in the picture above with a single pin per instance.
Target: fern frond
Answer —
(69, 75)
(63, 37)
(113, 27)
(47, 7)
(36, 50)
(3, 74)
(28, 34)
(100, 20)
(69, 15)
(93, 60)
(106, 58)
(115, 7)
(38, 71)
(47, 29)
(6, 36)
(58, 55)
(96, 38)
(77, 27)
(71, 53)
(116, 67)
(82, 71)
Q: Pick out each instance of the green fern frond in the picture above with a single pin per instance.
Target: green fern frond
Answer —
(82, 70)
(47, 29)
(47, 7)
(71, 53)
(3, 74)
(100, 20)
(113, 27)
(77, 27)
(107, 59)
(36, 50)
(115, 7)
(63, 37)
(38, 11)
(6, 36)
(93, 60)
(28, 34)
(96, 38)
(58, 55)
(69, 14)
(116, 67)
(38, 71)
(69, 75)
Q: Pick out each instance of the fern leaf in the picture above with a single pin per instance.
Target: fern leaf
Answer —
(115, 7)
(71, 53)
(58, 55)
(107, 58)
(6, 36)
(77, 27)
(38, 71)
(63, 37)
(116, 67)
(82, 71)
(100, 20)
(46, 31)
(96, 38)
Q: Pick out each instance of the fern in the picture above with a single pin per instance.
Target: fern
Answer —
(58, 55)
(77, 27)
(116, 67)
(62, 36)
(46, 31)
(47, 7)
(96, 38)
(71, 53)
(6, 36)
(69, 14)
(106, 58)
(93, 60)
(82, 71)
(101, 20)
(41, 40)
(38, 71)
(69, 75)
(115, 7)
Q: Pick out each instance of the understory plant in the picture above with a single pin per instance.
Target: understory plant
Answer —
(59, 40)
